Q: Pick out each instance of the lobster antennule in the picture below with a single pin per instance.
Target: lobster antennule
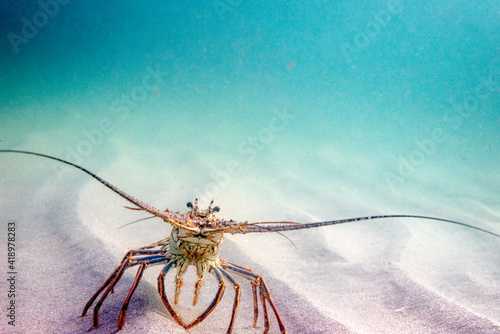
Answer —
(134, 209)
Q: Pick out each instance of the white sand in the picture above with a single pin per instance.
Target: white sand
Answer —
(378, 277)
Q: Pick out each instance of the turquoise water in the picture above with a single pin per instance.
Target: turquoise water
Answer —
(369, 80)
(279, 110)
(387, 106)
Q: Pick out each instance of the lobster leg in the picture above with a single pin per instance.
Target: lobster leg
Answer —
(163, 295)
(237, 293)
(129, 260)
(215, 301)
(265, 295)
(254, 291)
(173, 313)
(145, 262)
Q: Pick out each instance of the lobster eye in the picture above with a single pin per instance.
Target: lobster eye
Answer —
(216, 209)
(189, 204)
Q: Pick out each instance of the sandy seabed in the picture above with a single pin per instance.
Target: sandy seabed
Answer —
(378, 277)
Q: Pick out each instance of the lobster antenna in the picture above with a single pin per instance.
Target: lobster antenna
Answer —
(120, 192)
(288, 226)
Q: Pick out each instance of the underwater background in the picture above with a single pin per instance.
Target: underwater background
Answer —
(279, 110)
